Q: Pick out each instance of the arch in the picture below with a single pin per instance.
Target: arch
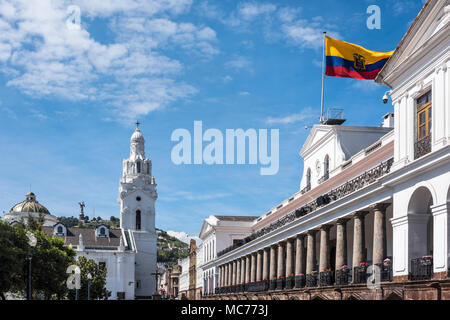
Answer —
(326, 166)
(420, 200)
(393, 296)
(293, 298)
(60, 229)
(419, 208)
(353, 297)
(138, 167)
(308, 178)
(318, 297)
(138, 219)
(102, 231)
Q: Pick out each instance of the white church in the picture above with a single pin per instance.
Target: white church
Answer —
(128, 253)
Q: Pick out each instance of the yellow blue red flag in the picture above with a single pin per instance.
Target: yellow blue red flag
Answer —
(349, 60)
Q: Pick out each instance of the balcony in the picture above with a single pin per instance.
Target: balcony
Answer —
(385, 271)
(300, 281)
(326, 278)
(421, 268)
(311, 280)
(343, 277)
(422, 147)
(360, 274)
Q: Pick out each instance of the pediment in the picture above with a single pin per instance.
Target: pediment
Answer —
(432, 19)
(316, 134)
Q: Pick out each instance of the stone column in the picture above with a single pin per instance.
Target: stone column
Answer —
(238, 271)
(311, 252)
(242, 270)
(280, 259)
(379, 232)
(359, 238)
(300, 258)
(247, 269)
(230, 273)
(225, 275)
(220, 276)
(273, 262)
(341, 243)
(266, 264)
(324, 257)
(289, 257)
(259, 265)
(253, 268)
(234, 273)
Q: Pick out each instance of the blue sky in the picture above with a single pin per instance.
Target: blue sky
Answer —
(69, 98)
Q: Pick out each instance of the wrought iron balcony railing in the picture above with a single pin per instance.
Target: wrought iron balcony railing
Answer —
(311, 280)
(359, 274)
(343, 277)
(422, 147)
(326, 278)
(421, 268)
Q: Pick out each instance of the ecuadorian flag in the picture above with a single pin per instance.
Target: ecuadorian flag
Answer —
(349, 60)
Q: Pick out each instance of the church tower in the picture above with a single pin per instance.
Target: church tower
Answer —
(137, 196)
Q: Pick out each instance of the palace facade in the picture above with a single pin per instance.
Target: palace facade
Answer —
(371, 219)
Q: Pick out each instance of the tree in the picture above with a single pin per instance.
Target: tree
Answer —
(98, 289)
(13, 249)
(49, 263)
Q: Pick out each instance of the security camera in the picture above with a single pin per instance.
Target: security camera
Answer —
(385, 98)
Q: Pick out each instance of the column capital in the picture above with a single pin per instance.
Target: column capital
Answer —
(360, 214)
(326, 227)
(382, 206)
(290, 240)
(281, 243)
(301, 236)
(311, 232)
(342, 220)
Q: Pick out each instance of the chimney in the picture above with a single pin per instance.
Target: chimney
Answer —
(388, 120)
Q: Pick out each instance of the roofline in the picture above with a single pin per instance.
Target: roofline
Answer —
(379, 78)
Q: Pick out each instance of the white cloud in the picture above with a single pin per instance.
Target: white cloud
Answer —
(184, 237)
(251, 10)
(41, 56)
(239, 62)
(305, 114)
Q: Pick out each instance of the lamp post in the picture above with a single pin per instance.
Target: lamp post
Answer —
(32, 241)
(89, 277)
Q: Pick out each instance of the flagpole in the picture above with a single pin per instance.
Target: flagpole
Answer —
(323, 79)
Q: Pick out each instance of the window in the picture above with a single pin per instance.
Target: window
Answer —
(138, 167)
(138, 198)
(102, 231)
(138, 219)
(308, 179)
(326, 167)
(148, 168)
(60, 229)
(424, 116)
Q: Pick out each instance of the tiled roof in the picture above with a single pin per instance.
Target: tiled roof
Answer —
(89, 238)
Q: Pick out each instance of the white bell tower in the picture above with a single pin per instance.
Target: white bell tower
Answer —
(137, 196)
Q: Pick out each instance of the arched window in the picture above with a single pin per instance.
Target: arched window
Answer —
(308, 179)
(148, 168)
(138, 167)
(138, 219)
(326, 167)
(60, 229)
(102, 231)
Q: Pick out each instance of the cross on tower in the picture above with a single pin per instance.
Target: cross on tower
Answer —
(137, 124)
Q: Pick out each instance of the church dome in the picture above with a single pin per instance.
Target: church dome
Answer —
(30, 204)
(137, 136)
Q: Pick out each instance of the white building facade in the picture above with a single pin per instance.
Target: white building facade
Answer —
(374, 202)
